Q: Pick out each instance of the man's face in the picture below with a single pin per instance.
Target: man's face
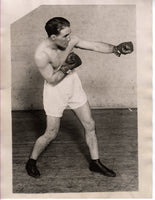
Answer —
(63, 38)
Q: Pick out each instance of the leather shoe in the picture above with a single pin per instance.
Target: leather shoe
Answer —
(31, 168)
(97, 166)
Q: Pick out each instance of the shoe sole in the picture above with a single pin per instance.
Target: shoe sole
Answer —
(100, 172)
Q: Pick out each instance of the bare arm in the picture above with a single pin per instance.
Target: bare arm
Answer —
(123, 48)
(46, 69)
(95, 46)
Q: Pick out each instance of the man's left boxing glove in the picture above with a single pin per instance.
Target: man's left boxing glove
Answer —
(123, 48)
(72, 61)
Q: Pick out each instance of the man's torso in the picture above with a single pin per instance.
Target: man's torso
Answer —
(55, 56)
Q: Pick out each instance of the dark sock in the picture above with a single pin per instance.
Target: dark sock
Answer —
(32, 161)
(95, 160)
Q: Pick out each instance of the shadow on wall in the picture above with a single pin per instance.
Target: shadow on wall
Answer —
(105, 78)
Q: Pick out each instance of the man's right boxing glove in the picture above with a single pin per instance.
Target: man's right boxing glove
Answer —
(72, 61)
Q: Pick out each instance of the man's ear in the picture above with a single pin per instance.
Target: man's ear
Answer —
(53, 37)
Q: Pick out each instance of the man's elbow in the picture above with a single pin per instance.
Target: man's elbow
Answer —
(97, 47)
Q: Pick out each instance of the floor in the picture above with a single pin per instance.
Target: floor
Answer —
(64, 164)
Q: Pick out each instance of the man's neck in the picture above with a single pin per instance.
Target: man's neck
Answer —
(51, 44)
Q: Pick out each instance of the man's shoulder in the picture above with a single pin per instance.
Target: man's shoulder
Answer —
(41, 55)
(44, 53)
(41, 59)
(74, 40)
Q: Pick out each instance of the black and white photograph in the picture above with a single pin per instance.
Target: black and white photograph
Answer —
(74, 100)
(74, 108)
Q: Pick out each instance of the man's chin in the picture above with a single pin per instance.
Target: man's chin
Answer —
(62, 47)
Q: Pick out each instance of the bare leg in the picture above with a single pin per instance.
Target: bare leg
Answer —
(84, 114)
(41, 143)
(49, 135)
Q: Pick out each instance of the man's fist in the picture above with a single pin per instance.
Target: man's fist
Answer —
(72, 61)
(123, 48)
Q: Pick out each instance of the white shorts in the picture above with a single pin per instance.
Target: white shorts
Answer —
(68, 92)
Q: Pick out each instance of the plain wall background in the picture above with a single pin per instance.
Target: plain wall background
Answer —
(109, 81)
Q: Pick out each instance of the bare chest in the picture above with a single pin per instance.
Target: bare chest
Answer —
(55, 58)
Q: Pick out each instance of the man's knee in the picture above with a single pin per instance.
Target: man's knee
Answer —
(50, 134)
(90, 125)
(52, 128)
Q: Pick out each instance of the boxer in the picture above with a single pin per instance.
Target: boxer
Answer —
(56, 62)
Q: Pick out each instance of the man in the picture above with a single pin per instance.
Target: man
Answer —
(62, 87)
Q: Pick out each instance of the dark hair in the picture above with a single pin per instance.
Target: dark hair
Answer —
(55, 25)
